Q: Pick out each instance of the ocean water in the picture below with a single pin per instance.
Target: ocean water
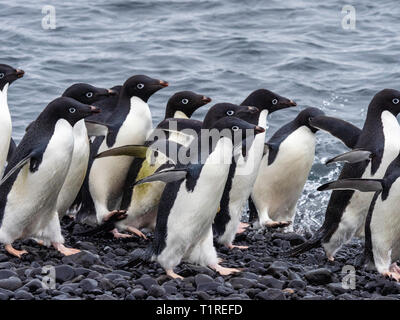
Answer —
(222, 49)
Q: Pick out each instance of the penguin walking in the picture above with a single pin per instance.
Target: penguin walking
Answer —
(190, 201)
(347, 209)
(7, 76)
(86, 94)
(36, 174)
(244, 169)
(144, 198)
(286, 165)
(382, 232)
(130, 123)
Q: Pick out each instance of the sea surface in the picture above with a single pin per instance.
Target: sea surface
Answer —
(222, 49)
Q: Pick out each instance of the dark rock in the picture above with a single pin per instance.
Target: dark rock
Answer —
(139, 293)
(88, 285)
(3, 296)
(156, 291)
(278, 269)
(106, 284)
(169, 289)
(64, 273)
(23, 295)
(239, 283)
(4, 258)
(205, 283)
(105, 297)
(319, 276)
(297, 284)
(271, 282)
(203, 295)
(271, 294)
(4, 274)
(83, 258)
(146, 282)
(12, 283)
(336, 288)
(34, 284)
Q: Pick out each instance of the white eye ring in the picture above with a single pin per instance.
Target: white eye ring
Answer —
(72, 110)
(235, 128)
(395, 101)
(230, 112)
(275, 101)
(140, 86)
(185, 101)
(1, 75)
(89, 94)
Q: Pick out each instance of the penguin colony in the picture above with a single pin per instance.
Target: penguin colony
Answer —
(93, 153)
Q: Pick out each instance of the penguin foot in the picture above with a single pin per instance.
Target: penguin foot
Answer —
(118, 235)
(392, 275)
(16, 253)
(277, 224)
(137, 232)
(233, 246)
(394, 268)
(172, 274)
(220, 260)
(115, 216)
(330, 258)
(224, 271)
(64, 250)
(242, 227)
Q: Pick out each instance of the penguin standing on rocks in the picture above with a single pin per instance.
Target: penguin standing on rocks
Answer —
(144, 198)
(382, 228)
(130, 123)
(347, 209)
(244, 169)
(86, 94)
(7, 76)
(286, 165)
(36, 174)
(190, 201)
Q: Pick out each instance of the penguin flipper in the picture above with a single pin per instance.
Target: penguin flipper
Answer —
(363, 185)
(343, 130)
(354, 156)
(11, 149)
(95, 128)
(266, 149)
(187, 138)
(165, 176)
(137, 151)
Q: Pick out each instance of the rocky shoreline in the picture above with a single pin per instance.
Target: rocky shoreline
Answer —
(97, 273)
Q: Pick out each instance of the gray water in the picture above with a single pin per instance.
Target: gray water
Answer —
(217, 48)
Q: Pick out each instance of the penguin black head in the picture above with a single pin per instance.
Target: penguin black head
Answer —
(222, 110)
(9, 75)
(231, 127)
(142, 86)
(87, 93)
(267, 100)
(185, 102)
(68, 109)
(387, 99)
(305, 117)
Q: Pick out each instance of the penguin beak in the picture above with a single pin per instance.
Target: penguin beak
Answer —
(94, 109)
(252, 109)
(291, 103)
(258, 130)
(20, 73)
(111, 92)
(206, 99)
(163, 83)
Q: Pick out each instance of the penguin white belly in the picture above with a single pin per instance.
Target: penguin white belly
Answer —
(107, 175)
(353, 217)
(278, 186)
(77, 170)
(32, 199)
(5, 128)
(192, 214)
(385, 229)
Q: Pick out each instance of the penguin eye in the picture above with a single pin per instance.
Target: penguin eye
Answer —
(235, 128)
(185, 101)
(395, 101)
(156, 153)
(89, 94)
(230, 112)
(72, 110)
(275, 101)
(140, 86)
(1, 75)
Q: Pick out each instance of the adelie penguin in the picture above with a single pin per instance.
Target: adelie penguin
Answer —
(36, 174)
(285, 167)
(243, 171)
(347, 209)
(130, 123)
(144, 198)
(87, 94)
(7, 76)
(190, 201)
(382, 227)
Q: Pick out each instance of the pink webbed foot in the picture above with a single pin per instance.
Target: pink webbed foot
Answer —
(16, 253)
(64, 250)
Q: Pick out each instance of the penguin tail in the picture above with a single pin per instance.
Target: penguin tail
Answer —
(312, 243)
(137, 258)
(107, 226)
